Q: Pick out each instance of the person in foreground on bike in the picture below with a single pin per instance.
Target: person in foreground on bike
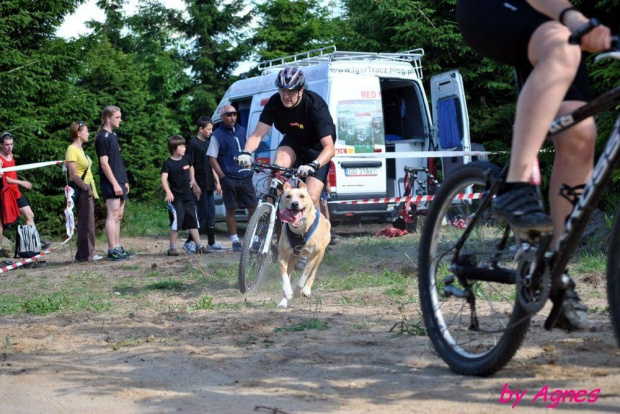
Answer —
(532, 36)
(303, 118)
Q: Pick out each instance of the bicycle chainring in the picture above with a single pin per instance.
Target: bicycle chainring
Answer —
(532, 289)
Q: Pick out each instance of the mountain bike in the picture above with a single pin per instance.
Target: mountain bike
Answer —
(480, 284)
(263, 232)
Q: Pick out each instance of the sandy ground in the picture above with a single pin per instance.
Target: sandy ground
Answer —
(160, 358)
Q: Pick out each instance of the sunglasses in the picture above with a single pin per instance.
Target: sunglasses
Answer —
(288, 93)
(229, 114)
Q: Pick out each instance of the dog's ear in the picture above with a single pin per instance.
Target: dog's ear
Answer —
(287, 186)
(302, 185)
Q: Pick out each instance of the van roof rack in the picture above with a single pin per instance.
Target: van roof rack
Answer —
(329, 53)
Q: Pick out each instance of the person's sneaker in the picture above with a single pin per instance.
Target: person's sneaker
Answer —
(45, 245)
(127, 253)
(116, 255)
(97, 257)
(216, 248)
(574, 314)
(172, 252)
(301, 263)
(236, 246)
(521, 207)
(189, 247)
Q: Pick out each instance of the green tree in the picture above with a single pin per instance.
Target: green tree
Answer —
(36, 97)
(289, 27)
(392, 26)
(218, 35)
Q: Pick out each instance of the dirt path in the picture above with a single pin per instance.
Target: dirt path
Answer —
(157, 356)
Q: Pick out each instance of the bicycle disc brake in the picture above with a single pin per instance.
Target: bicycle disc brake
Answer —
(533, 279)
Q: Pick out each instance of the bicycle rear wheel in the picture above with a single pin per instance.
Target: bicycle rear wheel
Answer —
(613, 277)
(476, 326)
(253, 262)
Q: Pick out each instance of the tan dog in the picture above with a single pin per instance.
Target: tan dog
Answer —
(300, 235)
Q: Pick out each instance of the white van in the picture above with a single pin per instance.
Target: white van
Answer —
(379, 106)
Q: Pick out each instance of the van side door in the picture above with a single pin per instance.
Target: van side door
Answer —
(450, 118)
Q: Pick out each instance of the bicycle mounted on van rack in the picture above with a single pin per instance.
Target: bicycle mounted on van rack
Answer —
(474, 317)
(264, 228)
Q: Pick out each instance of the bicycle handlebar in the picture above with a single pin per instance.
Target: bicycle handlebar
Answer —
(287, 171)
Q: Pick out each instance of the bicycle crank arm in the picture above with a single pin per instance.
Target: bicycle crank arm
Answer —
(497, 275)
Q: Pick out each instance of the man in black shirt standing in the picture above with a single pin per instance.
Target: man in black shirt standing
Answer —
(204, 184)
(303, 118)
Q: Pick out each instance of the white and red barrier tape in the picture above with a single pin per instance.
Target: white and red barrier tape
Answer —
(30, 166)
(30, 259)
(410, 199)
(418, 154)
(69, 217)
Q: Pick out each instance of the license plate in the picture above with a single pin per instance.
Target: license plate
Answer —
(361, 172)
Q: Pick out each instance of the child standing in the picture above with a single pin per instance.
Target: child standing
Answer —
(175, 179)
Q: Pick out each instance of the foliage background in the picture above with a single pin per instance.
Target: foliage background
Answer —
(166, 68)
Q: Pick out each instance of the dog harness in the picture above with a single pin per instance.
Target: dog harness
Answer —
(298, 241)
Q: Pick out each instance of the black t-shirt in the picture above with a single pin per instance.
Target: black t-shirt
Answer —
(197, 156)
(306, 123)
(106, 144)
(178, 178)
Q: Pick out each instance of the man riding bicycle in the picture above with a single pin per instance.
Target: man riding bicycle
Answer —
(303, 118)
(532, 36)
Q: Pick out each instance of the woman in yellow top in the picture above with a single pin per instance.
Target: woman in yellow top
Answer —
(79, 165)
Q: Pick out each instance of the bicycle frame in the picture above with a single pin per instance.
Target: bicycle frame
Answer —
(582, 211)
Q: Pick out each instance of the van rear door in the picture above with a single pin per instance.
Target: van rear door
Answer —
(357, 112)
(450, 118)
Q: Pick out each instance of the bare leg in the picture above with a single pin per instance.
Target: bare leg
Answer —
(28, 215)
(315, 187)
(556, 64)
(231, 221)
(285, 157)
(115, 207)
(574, 160)
(195, 237)
(174, 235)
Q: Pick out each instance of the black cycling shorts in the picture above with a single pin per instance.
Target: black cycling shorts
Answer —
(305, 156)
(501, 30)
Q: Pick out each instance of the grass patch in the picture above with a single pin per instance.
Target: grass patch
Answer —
(312, 323)
(55, 302)
(145, 219)
(405, 326)
(591, 263)
(166, 284)
(205, 302)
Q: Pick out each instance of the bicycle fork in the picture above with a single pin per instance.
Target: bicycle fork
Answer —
(272, 222)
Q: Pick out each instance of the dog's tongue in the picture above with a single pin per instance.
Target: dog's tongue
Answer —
(291, 216)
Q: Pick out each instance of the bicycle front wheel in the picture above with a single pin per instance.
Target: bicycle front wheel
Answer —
(613, 277)
(468, 300)
(253, 261)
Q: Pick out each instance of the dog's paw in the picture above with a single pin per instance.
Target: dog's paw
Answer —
(306, 291)
(288, 292)
(283, 303)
